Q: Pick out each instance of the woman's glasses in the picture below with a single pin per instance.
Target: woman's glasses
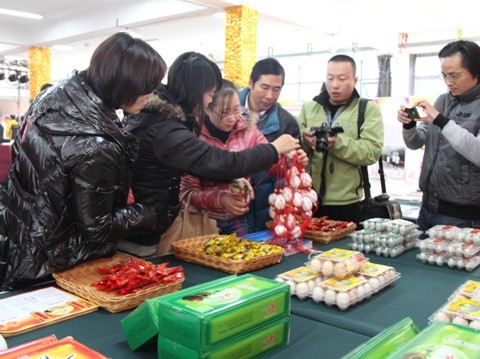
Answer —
(237, 112)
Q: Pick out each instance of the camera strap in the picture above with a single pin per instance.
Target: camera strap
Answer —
(364, 169)
(321, 194)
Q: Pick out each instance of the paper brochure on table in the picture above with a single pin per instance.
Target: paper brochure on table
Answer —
(51, 348)
(31, 310)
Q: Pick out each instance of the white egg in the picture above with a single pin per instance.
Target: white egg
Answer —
(340, 270)
(368, 290)
(280, 279)
(441, 316)
(327, 269)
(271, 198)
(307, 214)
(297, 199)
(311, 286)
(360, 293)
(382, 279)
(280, 202)
(313, 195)
(354, 246)
(330, 297)
(452, 262)
(280, 230)
(296, 232)
(305, 179)
(302, 290)
(307, 204)
(317, 294)
(287, 194)
(290, 222)
(375, 284)
(294, 182)
(293, 171)
(460, 264)
(293, 287)
(475, 324)
(460, 321)
(422, 256)
(440, 261)
(315, 265)
(343, 300)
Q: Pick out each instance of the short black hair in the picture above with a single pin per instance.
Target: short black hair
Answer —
(189, 77)
(268, 66)
(122, 68)
(470, 53)
(345, 58)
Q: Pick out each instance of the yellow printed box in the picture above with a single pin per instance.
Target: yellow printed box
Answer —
(253, 344)
(208, 314)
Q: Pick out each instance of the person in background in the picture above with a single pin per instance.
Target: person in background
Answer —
(64, 200)
(449, 131)
(335, 169)
(11, 127)
(225, 127)
(264, 88)
(168, 130)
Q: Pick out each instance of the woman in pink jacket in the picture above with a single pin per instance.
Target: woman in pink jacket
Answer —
(225, 126)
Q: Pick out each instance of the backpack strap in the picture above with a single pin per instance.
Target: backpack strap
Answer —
(362, 108)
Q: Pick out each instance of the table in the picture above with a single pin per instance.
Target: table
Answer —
(315, 328)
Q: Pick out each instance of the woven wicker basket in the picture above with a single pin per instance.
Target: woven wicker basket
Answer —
(187, 250)
(79, 279)
(325, 237)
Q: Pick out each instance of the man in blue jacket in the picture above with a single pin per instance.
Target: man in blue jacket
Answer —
(261, 95)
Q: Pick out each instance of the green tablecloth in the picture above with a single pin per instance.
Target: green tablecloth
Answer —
(316, 330)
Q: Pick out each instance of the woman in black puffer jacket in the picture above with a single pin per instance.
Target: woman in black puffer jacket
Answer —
(64, 200)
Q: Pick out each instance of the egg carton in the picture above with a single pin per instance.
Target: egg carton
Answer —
(468, 264)
(401, 226)
(376, 224)
(459, 310)
(385, 274)
(467, 250)
(434, 245)
(301, 281)
(336, 262)
(364, 236)
(350, 291)
(469, 289)
(443, 231)
(468, 235)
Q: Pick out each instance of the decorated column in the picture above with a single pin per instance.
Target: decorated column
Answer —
(240, 44)
(39, 60)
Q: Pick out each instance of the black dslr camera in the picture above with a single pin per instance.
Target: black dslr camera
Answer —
(322, 134)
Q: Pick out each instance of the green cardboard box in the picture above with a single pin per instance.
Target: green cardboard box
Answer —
(442, 340)
(208, 314)
(386, 342)
(141, 325)
(253, 344)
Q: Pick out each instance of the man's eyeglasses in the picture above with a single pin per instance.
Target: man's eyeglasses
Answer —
(451, 77)
(237, 112)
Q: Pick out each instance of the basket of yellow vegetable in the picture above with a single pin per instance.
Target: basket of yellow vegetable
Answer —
(227, 253)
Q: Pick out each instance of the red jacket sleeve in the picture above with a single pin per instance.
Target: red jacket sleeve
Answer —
(202, 199)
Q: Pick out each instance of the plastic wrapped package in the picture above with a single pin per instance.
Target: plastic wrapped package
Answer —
(459, 310)
(443, 231)
(401, 226)
(301, 281)
(376, 224)
(336, 262)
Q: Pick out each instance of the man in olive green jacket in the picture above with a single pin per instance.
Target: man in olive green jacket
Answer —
(336, 157)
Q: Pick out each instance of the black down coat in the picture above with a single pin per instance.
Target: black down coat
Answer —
(169, 148)
(64, 200)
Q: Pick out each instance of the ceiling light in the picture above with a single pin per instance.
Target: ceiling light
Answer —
(28, 15)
